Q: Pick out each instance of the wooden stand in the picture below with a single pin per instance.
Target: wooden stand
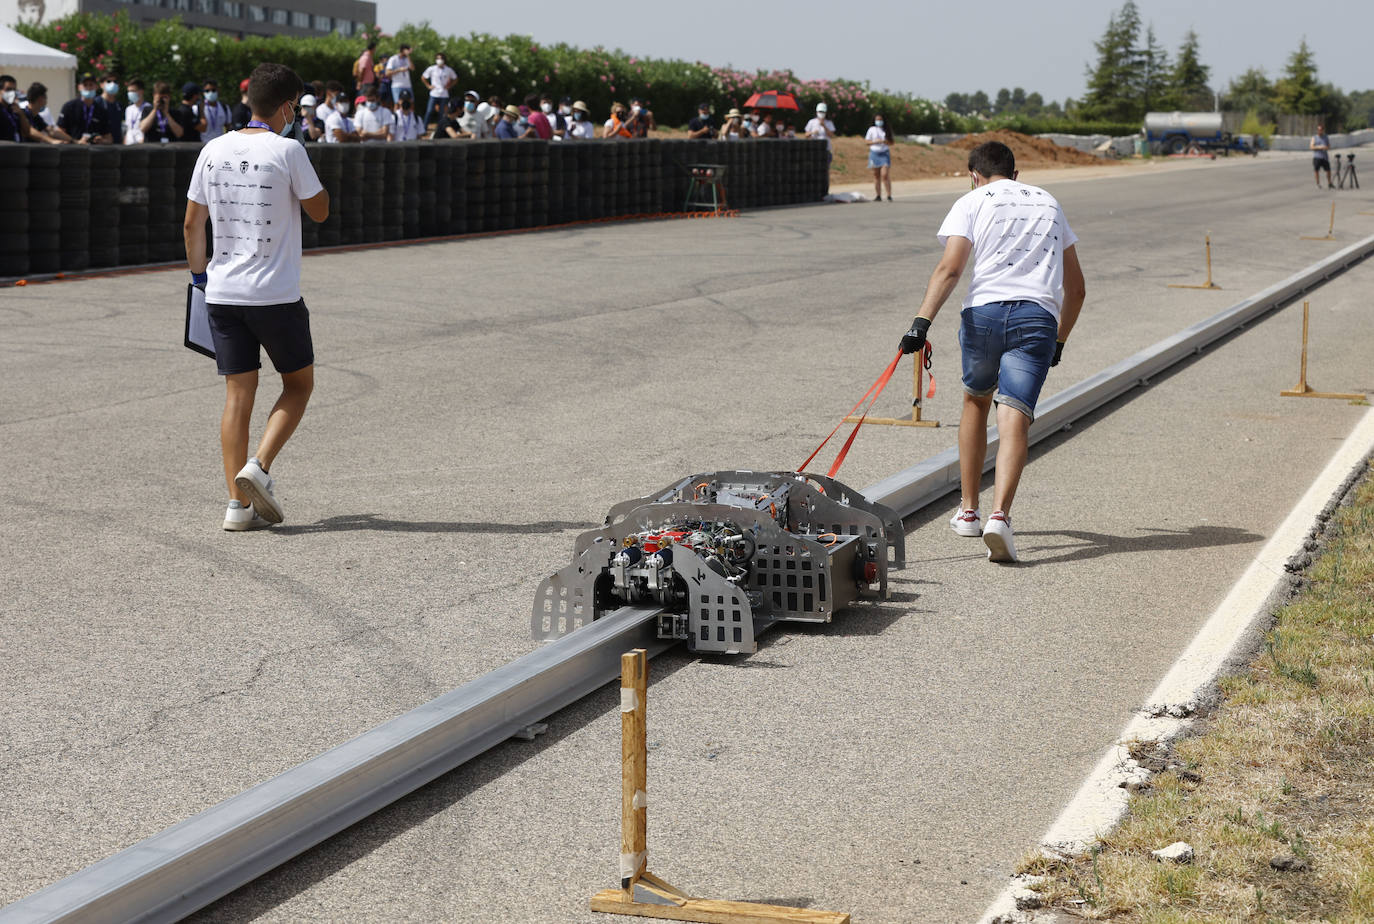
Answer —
(1302, 391)
(1209, 284)
(1330, 231)
(656, 898)
(915, 420)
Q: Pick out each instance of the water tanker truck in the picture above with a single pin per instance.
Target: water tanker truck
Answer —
(1194, 132)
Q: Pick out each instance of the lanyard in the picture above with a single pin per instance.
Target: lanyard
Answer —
(161, 122)
(89, 115)
(213, 118)
(255, 123)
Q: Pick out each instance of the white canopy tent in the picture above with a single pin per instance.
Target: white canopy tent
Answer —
(29, 61)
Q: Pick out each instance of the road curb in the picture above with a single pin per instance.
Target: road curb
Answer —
(1226, 641)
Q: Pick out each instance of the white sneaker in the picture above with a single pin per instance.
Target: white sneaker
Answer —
(998, 538)
(257, 484)
(966, 523)
(238, 518)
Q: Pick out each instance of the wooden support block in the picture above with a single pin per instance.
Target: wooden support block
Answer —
(1309, 393)
(894, 421)
(710, 911)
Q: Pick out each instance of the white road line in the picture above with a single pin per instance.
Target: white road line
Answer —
(1101, 801)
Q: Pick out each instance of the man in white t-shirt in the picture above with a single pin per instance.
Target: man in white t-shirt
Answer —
(438, 79)
(405, 123)
(398, 68)
(338, 127)
(822, 127)
(134, 112)
(215, 113)
(252, 185)
(1022, 302)
(373, 123)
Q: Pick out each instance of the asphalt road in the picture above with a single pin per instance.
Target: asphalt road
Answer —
(480, 402)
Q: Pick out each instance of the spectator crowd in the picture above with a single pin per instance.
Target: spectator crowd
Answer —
(379, 106)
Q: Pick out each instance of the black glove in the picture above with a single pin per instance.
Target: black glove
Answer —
(914, 340)
(1058, 352)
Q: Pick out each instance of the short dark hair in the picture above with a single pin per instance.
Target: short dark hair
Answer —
(405, 46)
(270, 85)
(6, 78)
(532, 100)
(135, 83)
(109, 75)
(161, 87)
(36, 90)
(992, 158)
(334, 85)
(371, 91)
(209, 83)
(371, 44)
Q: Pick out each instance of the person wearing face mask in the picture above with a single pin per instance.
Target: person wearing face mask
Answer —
(456, 124)
(213, 113)
(83, 118)
(253, 285)
(338, 127)
(333, 92)
(407, 124)
(158, 125)
(822, 127)
(14, 121)
(134, 112)
(538, 120)
(311, 126)
(467, 121)
(615, 125)
(558, 125)
(188, 113)
(373, 122)
(438, 79)
(33, 107)
(641, 119)
(733, 129)
(397, 74)
(109, 100)
(702, 127)
(505, 128)
(879, 138)
(581, 127)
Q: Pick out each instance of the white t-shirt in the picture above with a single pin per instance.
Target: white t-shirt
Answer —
(760, 129)
(217, 119)
(323, 110)
(133, 115)
(583, 128)
(334, 119)
(825, 127)
(372, 120)
(401, 79)
(1019, 236)
(253, 185)
(439, 78)
(406, 127)
(877, 140)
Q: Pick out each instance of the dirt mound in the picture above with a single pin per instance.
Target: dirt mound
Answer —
(1028, 149)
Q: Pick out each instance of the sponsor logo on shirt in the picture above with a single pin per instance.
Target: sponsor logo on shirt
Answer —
(243, 166)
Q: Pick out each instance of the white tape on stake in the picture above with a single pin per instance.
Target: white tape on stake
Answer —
(630, 863)
(629, 699)
(641, 799)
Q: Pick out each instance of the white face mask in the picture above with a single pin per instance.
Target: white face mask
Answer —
(111, 88)
(878, 122)
(9, 96)
(635, 110)
(342, 107)
(546, 107)
(372, 105)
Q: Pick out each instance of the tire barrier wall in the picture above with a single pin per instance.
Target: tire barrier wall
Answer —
(70, 208)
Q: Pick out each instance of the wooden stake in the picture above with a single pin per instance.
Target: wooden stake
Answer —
(634, 769)
(917, 374)
(1303, 391)
(660, 899)
(1208, 284)
(1330, 231)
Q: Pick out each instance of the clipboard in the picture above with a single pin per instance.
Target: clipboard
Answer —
(197, 335)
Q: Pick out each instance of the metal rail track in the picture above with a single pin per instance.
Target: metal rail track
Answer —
(192, 863)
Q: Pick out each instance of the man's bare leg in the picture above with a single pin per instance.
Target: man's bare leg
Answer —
(973, 448)
(286, 415)
(239, 391)
(1013, 428)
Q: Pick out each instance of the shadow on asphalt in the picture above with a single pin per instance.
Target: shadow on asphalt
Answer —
(360, 521)
(1084, 545)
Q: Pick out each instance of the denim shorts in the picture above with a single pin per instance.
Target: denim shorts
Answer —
(240, 331)
(1007, 348)
(879, 159)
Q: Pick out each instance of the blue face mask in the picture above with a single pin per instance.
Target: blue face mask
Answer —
(211, 96)
(372, 105)
(878, 122)
(135, 97)
(87, 94)
(290, 122)
(470, 106)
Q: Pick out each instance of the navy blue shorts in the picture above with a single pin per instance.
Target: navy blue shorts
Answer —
(241, 331)
(1007, 348)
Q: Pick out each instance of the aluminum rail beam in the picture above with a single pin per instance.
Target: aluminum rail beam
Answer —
(929, 480)
(192, 863)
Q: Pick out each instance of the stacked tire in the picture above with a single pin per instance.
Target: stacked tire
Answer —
(442, 191)
(591, 202)
(106, 163)
(424, 185)
(474, 182)
(74, 203)
(458, 189)
(351, 193)
(328, 160)
(164, 229)
(374, 190)
(132, 196)
(45, 216)
(14, 210)
(410, 190)
(393, 189)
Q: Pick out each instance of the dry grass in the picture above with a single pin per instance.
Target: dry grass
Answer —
(1284, 767)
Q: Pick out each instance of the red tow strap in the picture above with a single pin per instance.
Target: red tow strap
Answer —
(874, 390)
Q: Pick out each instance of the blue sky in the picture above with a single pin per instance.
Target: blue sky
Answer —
(926, 48)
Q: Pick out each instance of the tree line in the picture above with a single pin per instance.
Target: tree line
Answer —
(1134, 74)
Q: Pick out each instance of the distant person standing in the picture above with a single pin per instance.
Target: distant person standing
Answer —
(1024, 298)
(114, 113)
(701, 127)
(188, 114)
(134, 112)
(822, 127)
(83, 118)
(213, 113)
(397, 74)
(252, 285)
(364, 69)
(581, 127)
(879, 138)
(438, 79)
(1321, 157)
